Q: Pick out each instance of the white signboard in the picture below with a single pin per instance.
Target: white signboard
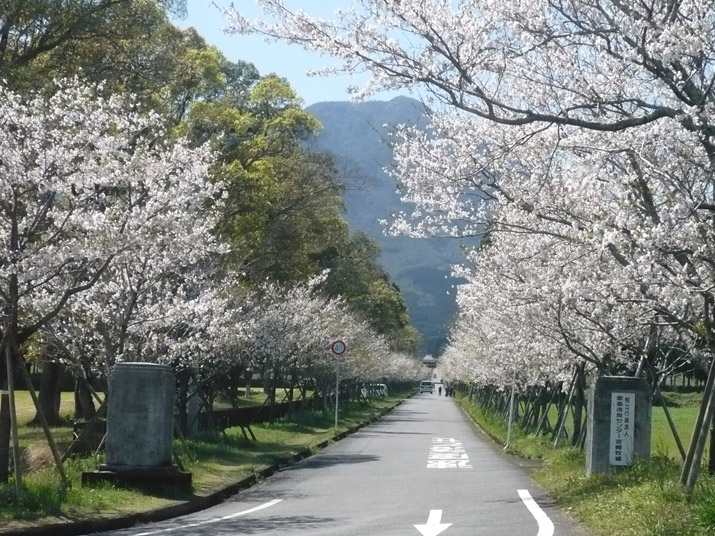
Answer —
(623, 409)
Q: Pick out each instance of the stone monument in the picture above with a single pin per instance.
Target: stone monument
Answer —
(619, 417)
(140, 429)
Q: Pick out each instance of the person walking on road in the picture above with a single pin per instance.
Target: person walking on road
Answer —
(440, 390)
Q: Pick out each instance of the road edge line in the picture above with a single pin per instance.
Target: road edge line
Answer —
(546, 526)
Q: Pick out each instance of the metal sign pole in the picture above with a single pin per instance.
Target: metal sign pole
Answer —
(338, 348)
(337, 391)
(511, 410)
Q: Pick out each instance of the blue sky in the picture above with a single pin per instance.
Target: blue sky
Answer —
(290, 62)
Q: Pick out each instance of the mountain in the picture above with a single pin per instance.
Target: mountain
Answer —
(355, 134)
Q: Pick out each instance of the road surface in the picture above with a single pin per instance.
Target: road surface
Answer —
(421, 470)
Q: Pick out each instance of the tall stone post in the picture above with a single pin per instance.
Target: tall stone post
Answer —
(140, 428)
(619, 420)
(140, 416)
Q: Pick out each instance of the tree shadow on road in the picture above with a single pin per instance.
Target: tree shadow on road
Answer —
(374, 433)
(329, 460)
(241, 525)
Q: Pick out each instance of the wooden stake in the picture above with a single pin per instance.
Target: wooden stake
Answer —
(698, 425)
(700, 446)
(711, 461)
(80, 436)
(83, 378)
(560, 428)
(511, 409)
(43, 420)
(563, 410)
(545, 414)
(658, 393)
(13, 421)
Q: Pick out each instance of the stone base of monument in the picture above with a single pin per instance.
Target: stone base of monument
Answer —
(151, 478)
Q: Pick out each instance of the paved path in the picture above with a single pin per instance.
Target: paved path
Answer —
(423, 469)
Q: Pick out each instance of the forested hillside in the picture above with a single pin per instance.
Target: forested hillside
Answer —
(357, 134)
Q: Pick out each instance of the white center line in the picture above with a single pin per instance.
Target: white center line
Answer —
(546, 527)
(215, 519)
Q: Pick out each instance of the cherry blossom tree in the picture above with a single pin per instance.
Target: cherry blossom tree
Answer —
(286, 334)
(147, 289)
(579, 92)
(83, 182)
(590, 123)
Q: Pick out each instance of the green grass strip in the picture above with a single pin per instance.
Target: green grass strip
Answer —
(646, 500)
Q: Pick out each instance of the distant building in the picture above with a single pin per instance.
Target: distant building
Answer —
(429, 361)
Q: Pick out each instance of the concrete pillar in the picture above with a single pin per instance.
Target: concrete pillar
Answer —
(619, 420)
(140, 416)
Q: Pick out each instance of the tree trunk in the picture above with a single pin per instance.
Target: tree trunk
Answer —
(182, 384)
(4, 433)
(248, 376)
(291, 410)
(50, 394)
(84, 407)
(324, 395)
(711, 460)
(304, 395)
(579, 404)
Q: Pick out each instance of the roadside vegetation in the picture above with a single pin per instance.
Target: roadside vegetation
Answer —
(215, 460)
(646, 500)
(200, 231)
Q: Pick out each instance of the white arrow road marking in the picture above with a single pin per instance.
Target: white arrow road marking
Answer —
(215, 519)
(433, 526)
(546, 527)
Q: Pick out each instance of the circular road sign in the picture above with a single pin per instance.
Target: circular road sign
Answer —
(338, 347)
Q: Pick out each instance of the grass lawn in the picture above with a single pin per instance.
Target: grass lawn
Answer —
(683, 409)
(34, 434)
(26, 409)
(662, 440)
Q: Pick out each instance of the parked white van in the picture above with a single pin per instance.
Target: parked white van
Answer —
(426, 386)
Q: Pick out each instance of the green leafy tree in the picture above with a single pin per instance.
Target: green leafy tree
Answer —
(30, 30)
(121, 46)
(356, 275)
(283, 205)
(284, 213)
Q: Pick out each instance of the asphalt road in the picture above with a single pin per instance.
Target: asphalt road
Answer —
(422, 469)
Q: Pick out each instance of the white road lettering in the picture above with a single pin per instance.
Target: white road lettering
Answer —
(447, 453)
(434, 525)
(215, 519)
(440, 456)
(546, 527)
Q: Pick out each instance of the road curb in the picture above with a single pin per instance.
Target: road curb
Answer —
(498, 442)
(496, 439)
(218, 495)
